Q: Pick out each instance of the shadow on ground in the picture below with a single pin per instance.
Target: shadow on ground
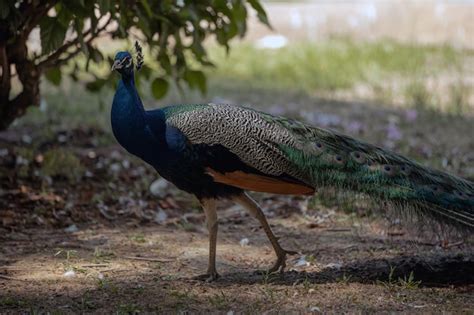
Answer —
(432, 271)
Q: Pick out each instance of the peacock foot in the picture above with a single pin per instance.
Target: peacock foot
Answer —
(208, 277)
(280, 264)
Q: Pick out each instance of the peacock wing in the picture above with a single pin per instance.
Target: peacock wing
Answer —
(248, 135)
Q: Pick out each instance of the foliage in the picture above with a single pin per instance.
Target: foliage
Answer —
(174, 30)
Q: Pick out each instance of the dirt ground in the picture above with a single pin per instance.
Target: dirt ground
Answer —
(83, 230)
(100, 245)
(128, 267)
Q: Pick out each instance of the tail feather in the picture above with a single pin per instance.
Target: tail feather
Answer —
(330, 159)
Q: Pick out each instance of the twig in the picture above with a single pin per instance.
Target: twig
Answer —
(396, 233)
(94, 265)
(453, 244)
(338, 230)
(11, 278)
(148, 258)
(54, 60)
(114, 270)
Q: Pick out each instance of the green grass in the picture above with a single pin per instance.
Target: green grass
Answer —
(331, 65)
(249, 75)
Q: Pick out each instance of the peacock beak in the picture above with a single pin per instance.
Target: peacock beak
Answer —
(117, 65)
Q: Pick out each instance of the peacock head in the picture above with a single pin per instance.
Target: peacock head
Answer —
(123, 63)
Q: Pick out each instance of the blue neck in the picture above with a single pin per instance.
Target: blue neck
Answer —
(128, 117)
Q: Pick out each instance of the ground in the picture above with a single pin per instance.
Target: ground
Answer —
(85, 227)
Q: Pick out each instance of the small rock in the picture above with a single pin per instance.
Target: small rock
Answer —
(62, 138)
(69, 274)
(115, 167)
(160, 216)
(26, 139)
(315, 309)
(334, 266)
(302, 262)
(244, 242)
(71, 229)
(126, 164)
(21, 160)
(159, 187)
(115, 155)
(100, 276)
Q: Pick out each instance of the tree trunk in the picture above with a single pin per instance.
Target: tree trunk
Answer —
(29, 75)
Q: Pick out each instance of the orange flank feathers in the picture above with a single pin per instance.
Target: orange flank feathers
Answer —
(261, 183)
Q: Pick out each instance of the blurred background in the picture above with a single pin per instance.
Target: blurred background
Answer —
(399, 74)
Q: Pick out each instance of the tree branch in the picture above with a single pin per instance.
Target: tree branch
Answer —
(5, 84)
(37, 15)
(53, 59)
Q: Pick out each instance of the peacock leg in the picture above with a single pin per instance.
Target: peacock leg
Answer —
(248, 203)
(209, 206)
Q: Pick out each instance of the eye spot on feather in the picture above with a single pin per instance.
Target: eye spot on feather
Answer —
(390, 170)
(372, 165)
(319, 147)
(460, 195)
(405, 170)
(437, 190)
(358, 157)
(339, 159)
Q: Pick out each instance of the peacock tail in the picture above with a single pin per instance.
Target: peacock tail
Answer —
(281, 147)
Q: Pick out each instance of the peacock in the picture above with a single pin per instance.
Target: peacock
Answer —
(219, 151)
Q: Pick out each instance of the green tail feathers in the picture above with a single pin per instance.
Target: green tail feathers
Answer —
(328, 159)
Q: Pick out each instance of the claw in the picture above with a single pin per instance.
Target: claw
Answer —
(207, 277)
(280, 264)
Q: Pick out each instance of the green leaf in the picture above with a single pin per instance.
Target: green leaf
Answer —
(96, 85)
(239, 17)
(53, 75)
(52, 34)
(196, 79)
(159, 88)
(104, 6)
(261, 14)
(64, 16)
(147, 8)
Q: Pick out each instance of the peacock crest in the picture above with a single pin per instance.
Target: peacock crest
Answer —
(138, 56)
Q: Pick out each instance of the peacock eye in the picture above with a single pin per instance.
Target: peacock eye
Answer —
(126, 61)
